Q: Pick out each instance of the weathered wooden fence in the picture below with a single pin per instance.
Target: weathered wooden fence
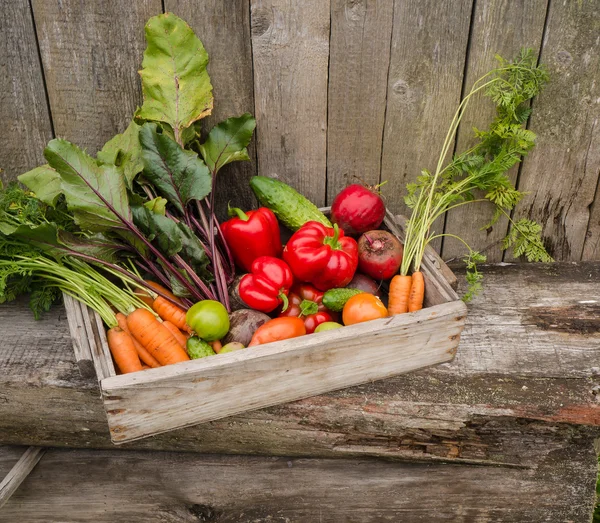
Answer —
(340, 88)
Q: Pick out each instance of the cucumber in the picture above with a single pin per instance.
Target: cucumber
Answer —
(198, 348)
(292, 209)
(335, 299)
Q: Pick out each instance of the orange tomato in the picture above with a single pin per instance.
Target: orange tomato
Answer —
(363, 307)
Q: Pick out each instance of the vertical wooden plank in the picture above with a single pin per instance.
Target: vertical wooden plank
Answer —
(290, 43)
(591, 248)
(224, 28)
(91, 53)
(429, 43)
(561, 174)
(23, 107)
(359, 56)
(499, 27)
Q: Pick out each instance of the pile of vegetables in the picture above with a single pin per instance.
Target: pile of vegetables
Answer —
(133, 234)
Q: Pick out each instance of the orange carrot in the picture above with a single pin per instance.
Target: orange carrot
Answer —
(177, 334)
(417, 292)
(398, 295)
(216, 345)
(169, 312)
(144, 355)
(164, 290)
(145, 367)
(155, 337)
(123, 351)
(144, 296)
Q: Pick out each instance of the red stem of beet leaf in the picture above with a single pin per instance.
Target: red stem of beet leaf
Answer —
(131, 227)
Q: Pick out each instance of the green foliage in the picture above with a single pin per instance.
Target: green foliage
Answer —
(473, 276)
(177, 174)
(95, 194)
(227, 142)
(125, 152)
(42, 298)
(175, 83)
(478, 174)
(44, 182)
(525, 237)
(173, 238)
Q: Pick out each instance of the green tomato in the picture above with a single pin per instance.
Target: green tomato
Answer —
(231, 347)
(198, 348)
(208, 319)
(327, 326)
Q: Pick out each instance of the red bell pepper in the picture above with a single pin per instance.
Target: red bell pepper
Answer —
(306, 302)
(322, 256)
(252, 234)
(267, 285)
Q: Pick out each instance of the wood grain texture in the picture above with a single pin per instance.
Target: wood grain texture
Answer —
(359, 58)
(561, 174)
(80, 337)
(91, 52)
(591, 247)
(157, 400)
(224, 28)
(119, 486)
(16, 475)
(527, 369)
(499, 27)
(23, 107)
(429, 44)
(290, 43)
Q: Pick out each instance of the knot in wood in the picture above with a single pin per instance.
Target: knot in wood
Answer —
(261, 21)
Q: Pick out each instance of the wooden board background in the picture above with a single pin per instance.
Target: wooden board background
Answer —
(340, 88)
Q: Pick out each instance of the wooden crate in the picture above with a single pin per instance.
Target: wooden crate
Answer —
(158, 400)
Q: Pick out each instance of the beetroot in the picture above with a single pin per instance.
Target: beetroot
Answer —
(379, 254)
(357, 209)
(364, 283)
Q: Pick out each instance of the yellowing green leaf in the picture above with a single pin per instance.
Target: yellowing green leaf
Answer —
(175, 83)
(125, 152)
(44, 182)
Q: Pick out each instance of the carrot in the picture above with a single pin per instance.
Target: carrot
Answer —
(144, 355)
(123, 351)
(169, 312)
(216, 345)
(145, 367)
(164, 290)
(144, 296)
(177, 334)
(398, 295)
(417, 292)
(155, 337)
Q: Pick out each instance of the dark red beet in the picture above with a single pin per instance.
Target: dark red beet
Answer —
(379, 254)
(358, 209)
(364, 283)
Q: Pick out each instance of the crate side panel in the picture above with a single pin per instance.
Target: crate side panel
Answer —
(189, 393)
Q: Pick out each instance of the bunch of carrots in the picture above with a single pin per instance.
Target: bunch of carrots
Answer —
(141, 340)
(406, 293)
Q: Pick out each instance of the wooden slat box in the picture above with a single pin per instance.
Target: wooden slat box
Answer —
(158, 400)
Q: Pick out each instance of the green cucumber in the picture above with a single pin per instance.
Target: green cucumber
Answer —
(292, 209)
(198, 348)
(335, 299)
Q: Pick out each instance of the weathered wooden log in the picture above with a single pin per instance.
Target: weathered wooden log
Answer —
(529, 353)
(127, 486)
